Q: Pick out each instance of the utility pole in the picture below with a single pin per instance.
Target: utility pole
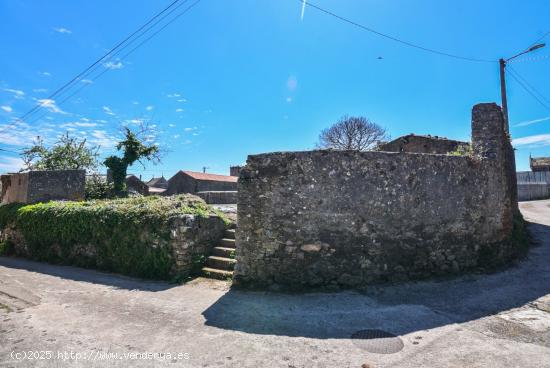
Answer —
(502, 63)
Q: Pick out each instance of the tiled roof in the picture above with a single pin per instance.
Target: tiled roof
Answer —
(212, 177)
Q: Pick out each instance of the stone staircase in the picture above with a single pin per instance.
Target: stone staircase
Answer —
(222, 261)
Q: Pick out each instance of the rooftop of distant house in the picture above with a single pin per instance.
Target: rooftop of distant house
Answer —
(160, 182)
(210, 177)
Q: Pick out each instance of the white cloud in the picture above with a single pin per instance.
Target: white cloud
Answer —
(16, 92)
(171, 125)
(79, 124)
(529, 122)
(16, 133)
(187, 141)
(189, 129)
(179, 110)
(50, 105)
(291, 83)
(6, 108)
(103, 139)
(149, 108)
(172, 95)
(135, 103)
(40, 90)
(539, 139)
(62, 30)
(182, 100)
(113, 65)
(289, 99)
(10, 164)
(176, 136)
(134, 121)
(107, 110)
(46, 74)
(87, 81)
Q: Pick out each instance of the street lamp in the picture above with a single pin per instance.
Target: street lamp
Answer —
(502, 63)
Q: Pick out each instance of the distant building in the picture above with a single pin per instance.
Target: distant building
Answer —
(235, 170)
(158, 182)
(134, 184)
(539, 163)
(422, 144)
(193, 182)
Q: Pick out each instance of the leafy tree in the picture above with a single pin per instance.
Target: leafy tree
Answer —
(134, 150)
(67, 153)
(352, 133)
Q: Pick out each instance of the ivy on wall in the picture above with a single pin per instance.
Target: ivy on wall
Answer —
(126, 235)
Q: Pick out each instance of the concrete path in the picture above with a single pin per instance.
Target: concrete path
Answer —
(66, 316)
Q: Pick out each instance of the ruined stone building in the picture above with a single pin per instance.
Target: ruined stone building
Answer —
(539, 164)
(193, 182)
(423, 144)
(346, 218)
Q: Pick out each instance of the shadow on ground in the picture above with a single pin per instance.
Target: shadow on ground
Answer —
(81, 274)
(400, 309)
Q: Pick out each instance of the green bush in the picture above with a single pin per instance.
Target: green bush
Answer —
(127, 235)
(98, 188)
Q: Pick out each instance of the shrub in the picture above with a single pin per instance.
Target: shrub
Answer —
(125, 235)
(98, 188)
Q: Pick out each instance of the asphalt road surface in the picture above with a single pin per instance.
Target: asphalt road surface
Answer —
(56, 316)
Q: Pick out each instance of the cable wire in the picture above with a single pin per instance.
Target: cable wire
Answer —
(406, 43)
(102, 58)
(124, 56)
(519, 81)
(529, 85)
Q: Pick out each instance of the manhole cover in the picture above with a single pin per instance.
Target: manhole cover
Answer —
(377, 341)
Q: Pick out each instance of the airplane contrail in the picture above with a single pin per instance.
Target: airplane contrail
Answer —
(303, 9)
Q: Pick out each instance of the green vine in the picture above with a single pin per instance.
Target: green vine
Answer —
(125, 235)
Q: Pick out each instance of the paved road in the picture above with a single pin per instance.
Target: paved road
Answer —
(497, 320)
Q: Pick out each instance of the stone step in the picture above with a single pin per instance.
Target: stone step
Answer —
(213, 273)
(224, 252)
(221, 263)
(230, 234)
(227, 243)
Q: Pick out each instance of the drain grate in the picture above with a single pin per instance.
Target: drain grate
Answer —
(377, 341)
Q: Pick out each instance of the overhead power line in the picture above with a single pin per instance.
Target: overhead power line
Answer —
(395, 39)
(141, 31)
(541, 37)
(542, 96)
(80, 75)
(518, 79)
(105, 70)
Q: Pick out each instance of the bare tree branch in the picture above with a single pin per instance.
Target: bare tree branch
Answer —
(352, 133)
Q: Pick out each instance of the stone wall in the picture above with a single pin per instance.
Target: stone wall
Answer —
(348, 219)
(212, 185)
(42, 186)
(219, 197)
(191, 240)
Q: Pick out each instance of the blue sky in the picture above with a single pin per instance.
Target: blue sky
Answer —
(232, 78)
